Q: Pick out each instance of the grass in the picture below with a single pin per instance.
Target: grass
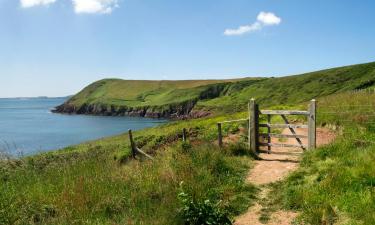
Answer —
(220, 96)
(99, 190)
(336, 183)
(137, 93)
(97, 183)
(292, 90)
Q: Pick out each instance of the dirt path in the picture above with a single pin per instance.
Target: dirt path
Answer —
(274, 167)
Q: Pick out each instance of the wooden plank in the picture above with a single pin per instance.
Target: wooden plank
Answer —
(293, 131)
(312, 125)
(233, 121)
(265, 135)
(220, 135)
(269, 131)
(283, 125)
(281, 145)
(144, 153)
(284, 112)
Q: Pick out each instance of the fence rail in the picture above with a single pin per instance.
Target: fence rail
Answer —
(233, 121)
(282, 145)
(284, 112)
(266, 135)
(283, 125)
(137, 151)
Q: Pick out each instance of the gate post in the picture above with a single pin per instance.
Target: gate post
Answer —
(312, 125)
(253, 126)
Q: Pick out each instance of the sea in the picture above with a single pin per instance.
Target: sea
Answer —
(27, 126)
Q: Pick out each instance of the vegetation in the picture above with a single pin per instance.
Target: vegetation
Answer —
(96, 183)
(218, 96)
(335, 183)
(195, 182)
(293, 90)
(143, 98)
(141, 93)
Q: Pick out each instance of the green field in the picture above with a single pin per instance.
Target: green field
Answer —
(98, 182)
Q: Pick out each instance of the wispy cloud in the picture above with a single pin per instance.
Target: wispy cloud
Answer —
(32, 3)
(263, 19)
(95, 6)
(80, 6)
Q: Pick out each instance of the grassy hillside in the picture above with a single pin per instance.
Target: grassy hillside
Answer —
(141, 92)
(98, 183)
(144, 98)
(295, 89)
(181, 98)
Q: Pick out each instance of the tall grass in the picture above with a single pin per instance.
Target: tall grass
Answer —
(336, 183)
(95, 189)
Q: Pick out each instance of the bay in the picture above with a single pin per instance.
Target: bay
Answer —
(27, 126)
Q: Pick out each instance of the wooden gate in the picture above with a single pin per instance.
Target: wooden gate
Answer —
(254, 125)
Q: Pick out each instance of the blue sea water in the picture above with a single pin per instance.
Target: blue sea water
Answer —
(27, 126)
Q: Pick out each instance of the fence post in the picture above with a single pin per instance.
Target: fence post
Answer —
(132, 144)
(184, 134)
(220, 135)
(269, 134)
(312, 125)
(253, 118)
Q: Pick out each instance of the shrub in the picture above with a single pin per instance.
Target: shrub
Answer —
(201, 212)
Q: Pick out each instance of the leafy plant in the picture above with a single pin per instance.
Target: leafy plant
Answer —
(204, 212)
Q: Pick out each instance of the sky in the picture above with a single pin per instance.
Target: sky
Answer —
(57, 47)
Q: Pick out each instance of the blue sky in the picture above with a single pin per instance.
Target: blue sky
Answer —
(56, 47)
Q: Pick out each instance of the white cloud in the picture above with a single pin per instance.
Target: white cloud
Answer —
(32, 3)
(263, 19)
(94, 6)
(268, 18)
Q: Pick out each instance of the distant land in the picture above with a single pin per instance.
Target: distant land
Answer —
(199, 98)
(41, 97)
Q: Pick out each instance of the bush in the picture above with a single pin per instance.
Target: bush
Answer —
(201, 213)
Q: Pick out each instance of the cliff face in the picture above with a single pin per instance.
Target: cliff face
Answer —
(176, 110)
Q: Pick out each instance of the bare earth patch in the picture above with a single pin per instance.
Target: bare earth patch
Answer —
(274, 167)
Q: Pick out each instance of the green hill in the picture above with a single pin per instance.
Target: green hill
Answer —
(195, 98)
(144, 98)
(295, 89)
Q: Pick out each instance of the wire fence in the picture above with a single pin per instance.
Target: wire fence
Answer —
(354, 109)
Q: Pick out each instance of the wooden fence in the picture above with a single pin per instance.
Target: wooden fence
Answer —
(137, 151)
(253, 127)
